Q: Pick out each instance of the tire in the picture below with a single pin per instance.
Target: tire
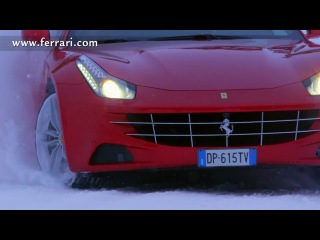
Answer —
(49, 142)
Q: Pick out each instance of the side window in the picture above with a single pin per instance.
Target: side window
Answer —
(56, 34)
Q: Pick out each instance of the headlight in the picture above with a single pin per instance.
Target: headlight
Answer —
(313, 84)
(102, 83)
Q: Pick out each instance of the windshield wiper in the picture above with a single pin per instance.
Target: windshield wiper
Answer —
(115, 41)
(198, 37)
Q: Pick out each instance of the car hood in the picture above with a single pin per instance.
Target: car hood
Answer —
(209, 65)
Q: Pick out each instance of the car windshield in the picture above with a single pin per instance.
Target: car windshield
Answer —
(108, 36)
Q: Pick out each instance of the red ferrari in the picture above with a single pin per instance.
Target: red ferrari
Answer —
(119, 100)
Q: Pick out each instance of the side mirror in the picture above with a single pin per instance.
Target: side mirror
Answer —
(35, 35)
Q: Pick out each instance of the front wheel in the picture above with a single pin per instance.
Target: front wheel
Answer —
(49, 141)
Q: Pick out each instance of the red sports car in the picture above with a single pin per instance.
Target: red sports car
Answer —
(119, 100)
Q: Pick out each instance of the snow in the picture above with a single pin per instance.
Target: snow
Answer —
(24, 186)
(44, 197)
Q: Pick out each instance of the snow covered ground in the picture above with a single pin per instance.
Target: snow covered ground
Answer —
(20, 196)
(23, 186)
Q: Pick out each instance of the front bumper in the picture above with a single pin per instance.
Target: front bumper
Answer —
(86, 121)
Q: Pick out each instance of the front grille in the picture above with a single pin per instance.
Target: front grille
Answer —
(210, 129)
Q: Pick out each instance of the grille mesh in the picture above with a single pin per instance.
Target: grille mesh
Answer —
(203, 129)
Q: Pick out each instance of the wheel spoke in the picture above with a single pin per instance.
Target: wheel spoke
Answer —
(63, 153)
(54, 159)
(54, 116)
(52, 133)
(63, 160)
(52, 143)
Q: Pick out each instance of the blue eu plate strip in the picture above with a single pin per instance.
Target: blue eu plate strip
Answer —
(201, 158)
(253, 156)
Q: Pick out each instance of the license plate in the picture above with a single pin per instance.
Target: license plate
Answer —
(227, 157)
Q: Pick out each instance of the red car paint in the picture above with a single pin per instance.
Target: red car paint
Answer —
(183, 77)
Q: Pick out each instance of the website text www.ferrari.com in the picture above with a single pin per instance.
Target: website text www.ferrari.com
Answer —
(53, 43)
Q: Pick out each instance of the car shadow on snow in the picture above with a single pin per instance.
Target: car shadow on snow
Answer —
(268, 180)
